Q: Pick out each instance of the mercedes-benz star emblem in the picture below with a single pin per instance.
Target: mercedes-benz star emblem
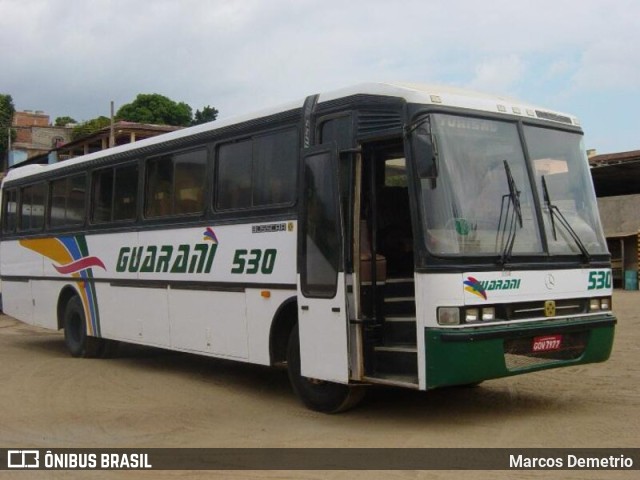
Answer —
(550, 281)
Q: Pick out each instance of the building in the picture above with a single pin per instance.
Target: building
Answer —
(35, 136)
(123, 133)
(616, 178)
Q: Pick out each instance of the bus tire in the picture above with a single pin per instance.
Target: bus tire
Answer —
(321, 396)
(75, 332)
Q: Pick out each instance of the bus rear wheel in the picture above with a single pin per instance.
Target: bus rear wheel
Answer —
(319, 395)
(75, 332)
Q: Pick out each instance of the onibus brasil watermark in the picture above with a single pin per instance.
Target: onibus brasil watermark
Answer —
(33, 459)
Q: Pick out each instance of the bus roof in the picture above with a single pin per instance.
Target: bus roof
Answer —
(411, 92)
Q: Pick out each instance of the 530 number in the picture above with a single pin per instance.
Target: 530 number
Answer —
(254, 261)
(599, 279)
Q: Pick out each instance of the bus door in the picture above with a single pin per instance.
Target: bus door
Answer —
(322, 305)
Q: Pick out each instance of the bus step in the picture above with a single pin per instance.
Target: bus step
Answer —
(400, 330)
(396, 360)
(406, 381)
(400, 287)
(397, 306)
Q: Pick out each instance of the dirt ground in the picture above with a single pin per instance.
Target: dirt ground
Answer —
(152, 398)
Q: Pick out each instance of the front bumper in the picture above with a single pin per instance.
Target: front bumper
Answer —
(471, 355)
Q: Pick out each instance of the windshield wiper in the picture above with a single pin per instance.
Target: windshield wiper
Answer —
(554, 212)
(512, 218)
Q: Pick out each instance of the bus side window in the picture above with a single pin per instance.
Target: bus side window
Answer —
(274, 168)
(115, 194)
(125, 193)
(58, 202)
(175, 184)
(67, 205)
(76, 200)
(259, 172)
(31, 216)
(234, 176)
(102, 196)
(9, 211)
(159, 194)
(190, 176)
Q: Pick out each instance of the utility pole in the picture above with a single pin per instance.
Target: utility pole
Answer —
(112, 136)
(5, 167)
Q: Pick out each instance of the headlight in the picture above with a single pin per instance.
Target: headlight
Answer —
(449, 316)
(488, 314)
(600, 304)
(471, 315)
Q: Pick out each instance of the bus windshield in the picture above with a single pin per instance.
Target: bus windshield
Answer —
(560, 165)
(482, 201)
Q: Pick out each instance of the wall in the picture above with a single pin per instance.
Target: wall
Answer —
(620, 214)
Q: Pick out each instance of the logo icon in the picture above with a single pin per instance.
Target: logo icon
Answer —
(549, 308)
(550, 281)
(473, 286)
(23, 459)
(210, 236)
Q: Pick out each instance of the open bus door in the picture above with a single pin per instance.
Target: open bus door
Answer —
(322, 304)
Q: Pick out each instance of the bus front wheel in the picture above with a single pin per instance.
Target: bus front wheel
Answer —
(75, 332)
(319, 395)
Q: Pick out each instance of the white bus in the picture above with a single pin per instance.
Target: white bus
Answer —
(406, 235)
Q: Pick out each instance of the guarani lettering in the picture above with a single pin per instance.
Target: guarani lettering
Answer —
(185, 258)
(513, 284)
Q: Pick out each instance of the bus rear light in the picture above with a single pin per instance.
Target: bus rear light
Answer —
(449, 316)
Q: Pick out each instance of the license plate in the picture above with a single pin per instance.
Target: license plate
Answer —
(547, 343)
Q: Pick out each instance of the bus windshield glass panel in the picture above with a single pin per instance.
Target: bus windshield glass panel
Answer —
(561, 167)
(481, 202)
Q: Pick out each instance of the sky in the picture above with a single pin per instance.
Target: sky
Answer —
(72, 57)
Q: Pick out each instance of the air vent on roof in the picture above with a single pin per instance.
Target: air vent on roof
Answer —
(553, 116)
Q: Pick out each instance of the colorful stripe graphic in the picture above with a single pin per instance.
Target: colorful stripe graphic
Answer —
(72, 256)
(210, 235)
(473, 286)
(79, 265)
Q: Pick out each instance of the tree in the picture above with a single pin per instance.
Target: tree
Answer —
(89, 127)
(208, 114)
(156, 109)
(7, 111)
(64, 121)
